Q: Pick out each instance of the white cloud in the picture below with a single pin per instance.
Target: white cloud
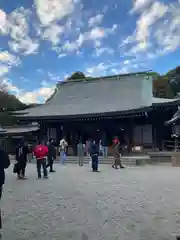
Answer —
(102, 50)
(33, 96)
(99, 69)
(168, 34)
(17, 27)
(95, 35)
(2, 20)
(95, 20)
(3, 69)
(51, 11)
(9, 59)
(148, 18)
(53, 33)
(25, 46)
(98, 32)
(139, 5)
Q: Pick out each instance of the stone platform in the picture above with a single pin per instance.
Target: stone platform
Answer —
(126, 160)
(165, 157)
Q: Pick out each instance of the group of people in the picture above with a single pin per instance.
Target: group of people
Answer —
(45, 155)
(95, 149)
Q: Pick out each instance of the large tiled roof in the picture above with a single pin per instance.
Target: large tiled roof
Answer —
(116, 94)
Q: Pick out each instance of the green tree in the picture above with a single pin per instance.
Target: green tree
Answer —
(76, 76)
(174, 80)
(8, 103)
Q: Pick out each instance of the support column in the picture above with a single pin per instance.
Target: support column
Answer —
(157, 129)
(129, 134)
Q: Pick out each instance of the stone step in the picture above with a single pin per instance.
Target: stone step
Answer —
(126, 160)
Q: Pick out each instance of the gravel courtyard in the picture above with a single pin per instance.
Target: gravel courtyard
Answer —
(133, 204)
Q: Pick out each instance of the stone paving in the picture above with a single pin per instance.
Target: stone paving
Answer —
(130, 204)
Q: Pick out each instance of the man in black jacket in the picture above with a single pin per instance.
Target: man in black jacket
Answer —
(94, 153)
(51, 155)
(4, 163)
(22, 151)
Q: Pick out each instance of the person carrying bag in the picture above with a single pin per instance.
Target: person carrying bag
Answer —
(4, 164)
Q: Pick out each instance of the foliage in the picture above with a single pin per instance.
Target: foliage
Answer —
(8, 103)
(167, 85)
(174, 80)
(76, 76)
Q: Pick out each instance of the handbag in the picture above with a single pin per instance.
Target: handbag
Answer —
(15, 168)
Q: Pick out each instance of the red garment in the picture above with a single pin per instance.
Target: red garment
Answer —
(116, 141)
(40, 151)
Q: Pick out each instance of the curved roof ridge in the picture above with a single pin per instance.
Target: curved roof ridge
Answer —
(90, 79)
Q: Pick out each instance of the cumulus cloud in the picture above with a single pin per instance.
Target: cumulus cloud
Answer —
(95, 35)
(9, 59)
(51, 11)
(95, 20)
(140, 5)
(3, 69)
(17, 27)
(36, 95)
(53, 33)
(2, 20)
(157, 31)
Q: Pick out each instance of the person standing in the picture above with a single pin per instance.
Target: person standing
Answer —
(105, 146)
(94, 153)
(41, 153)
(51, 155)
(62, 149)
(87, 150)
(100, 148)
(80, 152)
(4, 164)
(116, 152)
(22, 151)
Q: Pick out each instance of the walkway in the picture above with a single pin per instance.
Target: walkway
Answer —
(135, 203)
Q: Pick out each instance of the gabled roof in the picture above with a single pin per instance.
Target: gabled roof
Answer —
(118, 94)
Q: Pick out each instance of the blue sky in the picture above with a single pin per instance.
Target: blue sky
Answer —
(44, 41)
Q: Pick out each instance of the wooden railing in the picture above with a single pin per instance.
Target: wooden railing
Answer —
(171, 145)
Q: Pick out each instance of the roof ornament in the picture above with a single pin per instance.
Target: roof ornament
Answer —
(175, 133)
(175, 117)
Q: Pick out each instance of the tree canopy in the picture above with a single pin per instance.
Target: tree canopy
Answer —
(8, 103)
(76, 76)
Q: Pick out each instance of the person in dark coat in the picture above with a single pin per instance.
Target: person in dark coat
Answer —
(4, 164)
(94, 153)
(21, 157)
(51, 155)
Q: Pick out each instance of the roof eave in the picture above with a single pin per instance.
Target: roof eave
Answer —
(105, 114)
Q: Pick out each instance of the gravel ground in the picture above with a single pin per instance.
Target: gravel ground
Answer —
(74, 203)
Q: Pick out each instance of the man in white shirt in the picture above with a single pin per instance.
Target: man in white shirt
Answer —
(62, 149)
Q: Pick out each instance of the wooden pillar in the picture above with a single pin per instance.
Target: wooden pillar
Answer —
(157, 129)
(129, 134)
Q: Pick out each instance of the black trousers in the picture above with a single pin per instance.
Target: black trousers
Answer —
(95, 163)
(1, 188)
(41, 163)
(22, 167)
(50, 163)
